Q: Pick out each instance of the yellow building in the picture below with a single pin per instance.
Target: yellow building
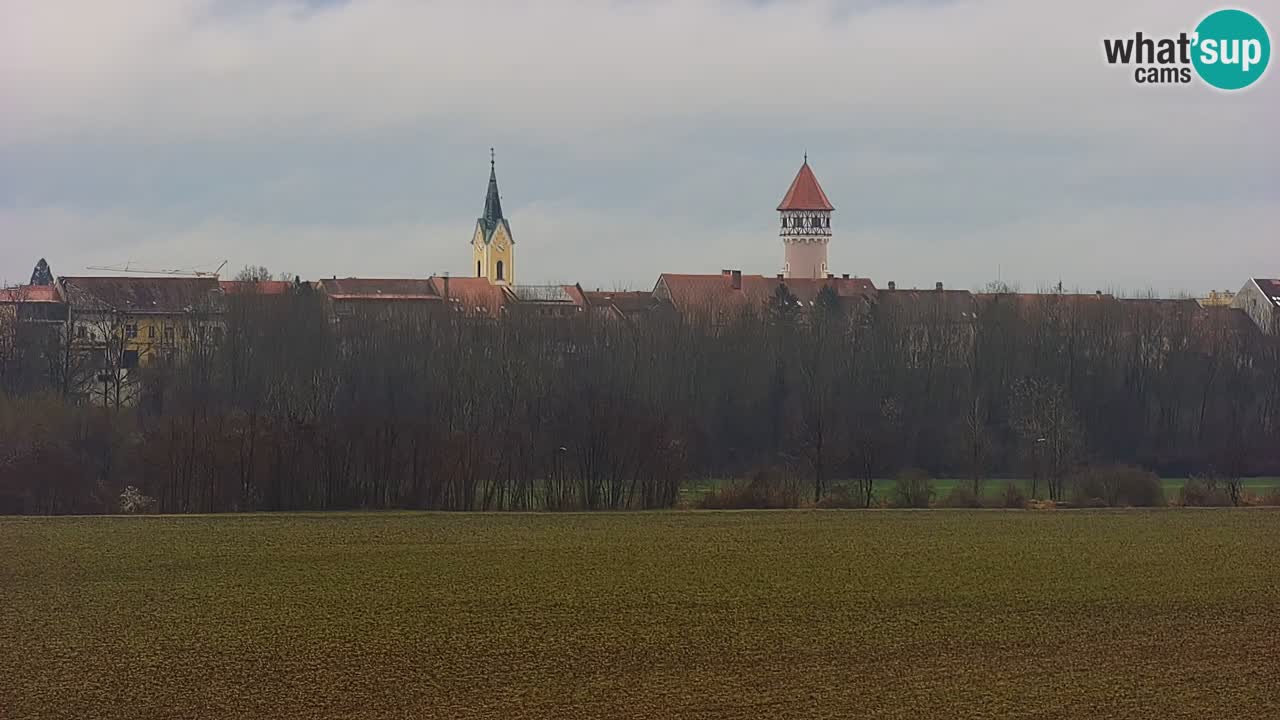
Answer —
(493, 249)
(126, 322)
(1217, 298)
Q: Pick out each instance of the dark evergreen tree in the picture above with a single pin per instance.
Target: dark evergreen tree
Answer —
(42, 275)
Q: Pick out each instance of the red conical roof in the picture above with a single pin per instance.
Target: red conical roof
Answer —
(805, 193)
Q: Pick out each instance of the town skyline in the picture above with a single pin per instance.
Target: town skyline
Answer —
(958, 166)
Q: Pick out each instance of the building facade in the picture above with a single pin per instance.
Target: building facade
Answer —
(1260, 299)
(805, 215)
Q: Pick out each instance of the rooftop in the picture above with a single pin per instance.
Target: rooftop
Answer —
(805, 193)
(255, 287)
(379, 289)
(141, 294)
(30, 294)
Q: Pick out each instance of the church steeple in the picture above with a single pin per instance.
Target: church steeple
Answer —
(492, 245)
(492, 201)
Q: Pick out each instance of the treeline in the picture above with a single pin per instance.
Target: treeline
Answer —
(283, 409)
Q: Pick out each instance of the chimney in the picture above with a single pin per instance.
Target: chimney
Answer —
(938, 287)
(737, 279)
(725, 272)
(830, 276)
(893, 285)
(1097, 293)
(446, 287)
(845, 276)
(779, 276)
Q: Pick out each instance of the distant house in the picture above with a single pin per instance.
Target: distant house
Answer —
(546, 301)
(935, 326)
(471, 297)
(33, 304)
(150, 317)
(629, 305)
(1216, 298)
(717, 299)
(354, 298)
(117, 325)
(32, 322)
(1260, 298)
(261, 288)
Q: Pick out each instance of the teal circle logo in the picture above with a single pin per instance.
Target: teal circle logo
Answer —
(1231, 49)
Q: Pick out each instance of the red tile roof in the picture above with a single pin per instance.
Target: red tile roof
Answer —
(255, 287)
(805, 193)
(474, 295)
(30, 294)
(691, 293)
(379, 289)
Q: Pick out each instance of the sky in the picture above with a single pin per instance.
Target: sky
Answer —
(960, 142)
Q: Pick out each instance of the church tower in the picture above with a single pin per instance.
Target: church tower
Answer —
(492, 246)
(806, 226)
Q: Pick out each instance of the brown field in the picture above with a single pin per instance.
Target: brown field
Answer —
(946, 614)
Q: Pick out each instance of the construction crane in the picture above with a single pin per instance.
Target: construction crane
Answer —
(129, 268)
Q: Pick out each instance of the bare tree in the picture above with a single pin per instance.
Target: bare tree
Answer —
(1044, 420)
(253, 273)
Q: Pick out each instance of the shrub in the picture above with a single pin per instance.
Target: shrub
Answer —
(1117, 486)
(961, 496)
(133, 501)
(912, 489)
(841, 497)
(1013, 496)
(1270, 498)
(766, 489)
(1203, 491)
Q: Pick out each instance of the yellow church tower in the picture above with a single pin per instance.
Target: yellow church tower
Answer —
(492, 246)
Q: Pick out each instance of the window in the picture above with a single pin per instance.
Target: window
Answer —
(131, 330)
(151, 332)
(168, 333)
(478, 273)
(129, 359)
(499, 269)
(82, 332)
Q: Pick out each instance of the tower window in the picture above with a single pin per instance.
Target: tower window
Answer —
(477, 268)
(499, 269)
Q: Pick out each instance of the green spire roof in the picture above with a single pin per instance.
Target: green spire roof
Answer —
(492, 202)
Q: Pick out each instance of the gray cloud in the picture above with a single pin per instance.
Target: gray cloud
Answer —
(350, 138)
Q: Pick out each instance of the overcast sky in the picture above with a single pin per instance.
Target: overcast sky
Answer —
(957, 140)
